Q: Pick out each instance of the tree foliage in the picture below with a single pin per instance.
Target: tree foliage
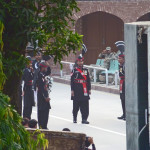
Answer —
(13, 136)
(48, 21)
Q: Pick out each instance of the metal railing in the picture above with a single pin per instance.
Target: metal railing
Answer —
(94, 68)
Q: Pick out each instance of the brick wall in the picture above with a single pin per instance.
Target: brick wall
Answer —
(115, 0)
(127, 11)
(62, 140)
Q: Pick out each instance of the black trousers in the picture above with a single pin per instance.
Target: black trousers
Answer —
(43, 115)
(28, 103)
(83, 105)
(122, 97)
(27, 111)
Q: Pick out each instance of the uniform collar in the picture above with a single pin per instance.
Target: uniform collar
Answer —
(122, 64)
(81, 68)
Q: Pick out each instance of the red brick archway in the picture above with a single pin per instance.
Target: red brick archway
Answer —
(127, 11)
(99, 30)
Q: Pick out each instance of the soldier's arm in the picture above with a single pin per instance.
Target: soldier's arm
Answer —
(101, 56)
(72, 80)
(26, 76)
(48, 71)
(88, 81)
(41, 86)
(115, 56)
(111, 57)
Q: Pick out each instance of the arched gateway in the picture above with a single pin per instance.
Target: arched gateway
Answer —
(102, 22)
(99, 30)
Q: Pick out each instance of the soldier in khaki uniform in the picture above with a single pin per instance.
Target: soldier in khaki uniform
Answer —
(107, 55)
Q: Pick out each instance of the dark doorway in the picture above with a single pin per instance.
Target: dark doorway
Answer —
(100, 30)
(142, 53)
(145, 17)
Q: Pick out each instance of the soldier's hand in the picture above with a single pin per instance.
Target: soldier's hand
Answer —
(90, 139)
(46, 62)
(48, 99)
(72, 93)
(31, 69)
(22, 93)
(89, 92)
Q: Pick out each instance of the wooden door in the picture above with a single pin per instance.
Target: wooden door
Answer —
(100, 30)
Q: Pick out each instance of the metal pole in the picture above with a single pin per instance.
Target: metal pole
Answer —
(106, 77)
(94, 75)
(61, 73)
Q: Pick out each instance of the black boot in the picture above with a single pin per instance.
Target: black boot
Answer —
(74, 119)
(85, 122)
(122, 117)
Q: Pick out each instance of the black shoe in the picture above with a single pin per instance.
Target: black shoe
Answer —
(74, 120)
(122, 117)
(85, 122)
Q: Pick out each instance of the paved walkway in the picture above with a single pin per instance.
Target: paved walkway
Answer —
(108, 132)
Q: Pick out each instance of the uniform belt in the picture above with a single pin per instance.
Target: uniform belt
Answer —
(29, 82)
(122, 78)
(80, 81)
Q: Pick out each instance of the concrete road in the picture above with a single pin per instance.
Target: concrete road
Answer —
(107, 131)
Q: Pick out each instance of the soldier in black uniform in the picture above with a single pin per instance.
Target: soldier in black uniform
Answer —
(43, 97)
(80, 91)
(122, 84)
(27, 90)
(35, 65)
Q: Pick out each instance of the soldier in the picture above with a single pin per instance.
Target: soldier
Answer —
(122, 84)
(27, 90)
(43, 97)
(107, 55)
(35, 65)
(80, 91)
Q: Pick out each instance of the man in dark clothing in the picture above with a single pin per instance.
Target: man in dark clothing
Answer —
(122, 84)
(80, 91)
(89, 141)
(25, 122)
(43, 97)
(32, 124)
(35, 65)
(27, 90)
